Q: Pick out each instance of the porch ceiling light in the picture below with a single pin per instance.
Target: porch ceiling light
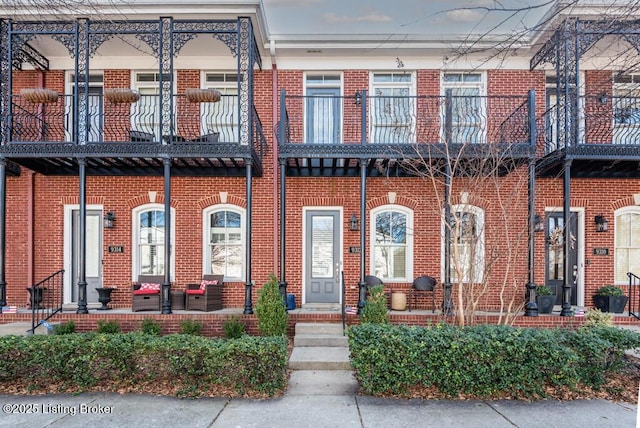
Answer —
(109, 220)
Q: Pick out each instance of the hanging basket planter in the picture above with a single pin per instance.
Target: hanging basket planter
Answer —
(39, 95)
(121, 95)
(196, 95)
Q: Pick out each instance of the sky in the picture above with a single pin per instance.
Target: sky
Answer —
(432, 17)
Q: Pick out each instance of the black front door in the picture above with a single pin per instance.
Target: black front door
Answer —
(555, 257)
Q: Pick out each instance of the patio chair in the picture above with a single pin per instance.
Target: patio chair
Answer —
(422, 285)
(206, 295)
(145, 293)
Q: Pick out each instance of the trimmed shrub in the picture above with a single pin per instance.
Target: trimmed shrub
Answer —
(150, 326)
(192, 327)
(65, 328)
(596, 318)
(108, 327)
(233, 328)
(270, 310)
(375, 309)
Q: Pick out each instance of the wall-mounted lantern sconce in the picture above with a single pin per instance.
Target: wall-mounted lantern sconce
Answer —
(354, 224)
(109, 220)
(602, 225)
(538, 224)
(602, 98)
(358, 98)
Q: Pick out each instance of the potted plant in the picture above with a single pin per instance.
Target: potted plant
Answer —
(610, 298)
(545, 298)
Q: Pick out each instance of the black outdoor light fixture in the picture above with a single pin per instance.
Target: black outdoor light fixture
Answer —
(538, 224)
(603, 98)
(602, 225)
(109, 220)
(358, 97)
(354, 224)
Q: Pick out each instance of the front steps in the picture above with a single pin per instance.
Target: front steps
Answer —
(320, 361)
(22, 328)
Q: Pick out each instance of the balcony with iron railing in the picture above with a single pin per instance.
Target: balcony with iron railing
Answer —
(106, 128)
(403, 127)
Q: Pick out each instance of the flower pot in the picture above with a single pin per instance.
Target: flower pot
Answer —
(613, 304)
(121, 95)
(195, 95)
(39, 95)
(545, 303)
(104, 297)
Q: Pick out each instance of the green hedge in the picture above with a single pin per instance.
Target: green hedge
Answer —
(194, 364)
(485, 361)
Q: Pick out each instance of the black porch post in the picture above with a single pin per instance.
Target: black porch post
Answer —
(566, 217)
(82, 247)
(531, 308)
(166, 286)
(3, 225)
(447, 304)
(362, 285)
(283, 232)
(248, 307)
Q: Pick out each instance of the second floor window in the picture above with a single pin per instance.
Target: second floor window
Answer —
(464, 113)
(323, 109)
(626, 108)
(145, 114)
(392, 108)
(221, 118)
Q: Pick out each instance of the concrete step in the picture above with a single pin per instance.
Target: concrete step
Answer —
(310, 328)
(319, 358)
(322, 382)
(21, 328)
(323, 340)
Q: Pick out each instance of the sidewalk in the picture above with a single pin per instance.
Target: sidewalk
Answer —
(303, 410)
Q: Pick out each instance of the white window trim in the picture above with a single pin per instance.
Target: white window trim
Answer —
(163, 128)
(340, 85)
(409, 245)
(480, 251)
(222, 87)
(482, 85)
(393, 85)
(206, 248)
(633, 209)
(135, 230)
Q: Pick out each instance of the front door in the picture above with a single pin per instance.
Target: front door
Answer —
(93, 271)
(555, 259)
(322, 260)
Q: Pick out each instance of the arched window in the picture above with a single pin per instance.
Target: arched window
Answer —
(148, 240)
(467, 244)
(627, 243)
(224, 242)
(392, 243)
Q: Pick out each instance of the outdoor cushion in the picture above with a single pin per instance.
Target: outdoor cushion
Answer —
(149, 286)
(197, 291)
(139, 292)
(204, 283)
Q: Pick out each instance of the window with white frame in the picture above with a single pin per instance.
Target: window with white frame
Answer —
(392, 243)
(392, 108)
(145, 114)
(467, 244)
(148, 240)
(627, 243)
(323, 109)
(224, 241)
(464, 110)
(626, 108)
(221, 118)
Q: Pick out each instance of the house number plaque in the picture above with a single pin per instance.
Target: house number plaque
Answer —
(600, 251)
(116, 248)
(354, 250)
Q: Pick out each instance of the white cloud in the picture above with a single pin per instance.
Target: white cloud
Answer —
(464, 15)
(373, 16)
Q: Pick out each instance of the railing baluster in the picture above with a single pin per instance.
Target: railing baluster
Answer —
(634, 290)
(46, 299)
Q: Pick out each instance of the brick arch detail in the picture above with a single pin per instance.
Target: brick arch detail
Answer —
(559, 202)
(215, 200)
(623, 202)
(472, 200)
(400, 200)
(75, 200)
(144, 199)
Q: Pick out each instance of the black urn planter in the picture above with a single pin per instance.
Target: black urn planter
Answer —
(613, 304)
(545, 303)
(104, 297)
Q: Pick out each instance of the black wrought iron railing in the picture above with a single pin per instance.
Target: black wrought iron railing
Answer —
(139, 121)
(326, 119)
(46, 299)
(599, 119)
(343, 308)
(634, 295)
